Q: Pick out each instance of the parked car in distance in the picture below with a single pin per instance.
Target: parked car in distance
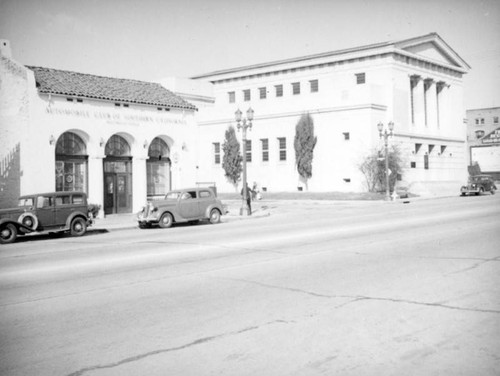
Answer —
(45, 213)
(478, 184)
(182, 205)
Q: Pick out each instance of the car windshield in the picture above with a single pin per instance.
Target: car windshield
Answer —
(172, 195)
(25, 202)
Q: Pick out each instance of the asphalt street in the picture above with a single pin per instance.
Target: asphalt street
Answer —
(315, 288)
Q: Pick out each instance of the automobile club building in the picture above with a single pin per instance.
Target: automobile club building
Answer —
(122, 141)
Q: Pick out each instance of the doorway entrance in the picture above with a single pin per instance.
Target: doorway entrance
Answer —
(117, 189)
(117, 176)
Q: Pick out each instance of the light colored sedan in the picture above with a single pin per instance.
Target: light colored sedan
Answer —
(183, 205)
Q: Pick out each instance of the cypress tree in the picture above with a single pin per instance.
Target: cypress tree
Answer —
(232, 159)
(304, 144)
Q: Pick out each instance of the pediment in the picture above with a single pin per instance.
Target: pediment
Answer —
(430, 51)
(432, 47)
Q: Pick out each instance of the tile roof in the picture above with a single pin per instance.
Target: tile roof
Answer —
(55, 81)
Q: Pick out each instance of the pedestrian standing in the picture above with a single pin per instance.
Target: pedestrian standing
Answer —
(248, 197)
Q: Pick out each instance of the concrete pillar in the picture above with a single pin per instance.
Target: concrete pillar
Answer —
(96, 182)
(139, 183)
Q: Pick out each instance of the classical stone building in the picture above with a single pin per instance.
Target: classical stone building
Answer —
(415, 83)
(122, 140)
(118, 140)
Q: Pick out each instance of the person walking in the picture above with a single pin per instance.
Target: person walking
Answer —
(248, 197)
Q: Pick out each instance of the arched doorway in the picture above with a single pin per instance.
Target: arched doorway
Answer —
(158, 168)
(117, 176)
(71, 163)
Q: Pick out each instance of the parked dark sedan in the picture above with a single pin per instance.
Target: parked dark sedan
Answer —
(183, 205)
(478, 184)
(45, 213)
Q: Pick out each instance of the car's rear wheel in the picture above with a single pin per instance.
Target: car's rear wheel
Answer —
(166, 220)
(78, 227)
(8, 233)
(214, 216)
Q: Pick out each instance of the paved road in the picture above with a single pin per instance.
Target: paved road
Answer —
(314, 289)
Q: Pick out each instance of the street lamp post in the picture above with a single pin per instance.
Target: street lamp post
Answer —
(243, 124)
(386, 133)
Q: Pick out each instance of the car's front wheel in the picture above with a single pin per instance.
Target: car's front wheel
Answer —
(78, 227)
(214, 216)
(8, 233)
(166, 220)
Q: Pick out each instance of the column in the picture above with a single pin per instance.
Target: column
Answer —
(139, 183)
(96, 182)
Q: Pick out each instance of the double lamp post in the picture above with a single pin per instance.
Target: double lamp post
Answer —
(386, 132)
(244, 124)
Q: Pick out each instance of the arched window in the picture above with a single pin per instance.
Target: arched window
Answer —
(117, 146)
(71, 163)
(158, 168)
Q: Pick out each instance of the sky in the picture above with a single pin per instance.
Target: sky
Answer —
(152, 39)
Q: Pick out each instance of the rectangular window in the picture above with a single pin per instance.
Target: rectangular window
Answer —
(482, 121)
(246, 95)
(249, 150)
(426, 161)
(296, 88)
(360, 78)
(265, 149)
(232, 96)
(314, 86)
(282, 148)
(347, 136)
(279, 90)
(413, 164)
(477, 121)
(262, 92)
(216, 146)
(495, 119)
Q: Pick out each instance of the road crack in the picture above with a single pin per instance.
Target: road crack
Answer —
(359, 298)
(197, 342)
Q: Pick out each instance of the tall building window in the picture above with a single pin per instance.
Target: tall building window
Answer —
(296, 88)
(232, 96)
(216, 148)
(282, 148)
(360, 78)
(495, 119)
(279, 90)
(249, 150)
(314, 86)
(71, 163)
(246, 95)
(158, 168)
(262, 92)
(265, 149)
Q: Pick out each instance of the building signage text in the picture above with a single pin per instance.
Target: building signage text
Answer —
(492, 138)
(113, 116)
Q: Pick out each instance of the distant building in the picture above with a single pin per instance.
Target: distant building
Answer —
(416, 83)
(118, 140)
(483, 139)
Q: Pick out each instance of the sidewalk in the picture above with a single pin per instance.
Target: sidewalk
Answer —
(260, 209)
(129, 221)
